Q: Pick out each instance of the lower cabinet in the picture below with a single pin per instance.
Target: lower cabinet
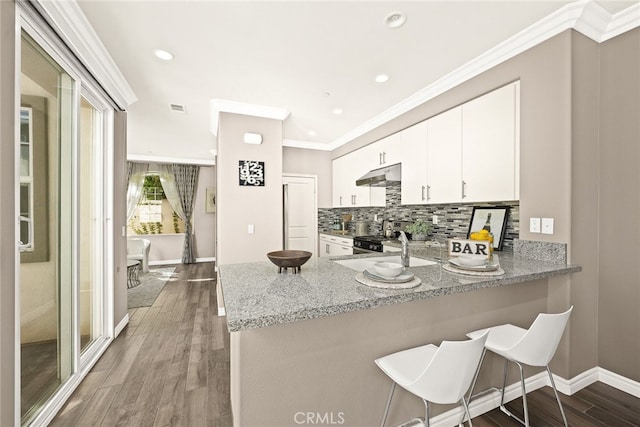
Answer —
(331, 245)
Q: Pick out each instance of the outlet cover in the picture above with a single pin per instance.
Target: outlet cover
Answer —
(534, 225)
(547, 225)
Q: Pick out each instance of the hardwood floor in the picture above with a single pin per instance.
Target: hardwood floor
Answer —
(170, 367)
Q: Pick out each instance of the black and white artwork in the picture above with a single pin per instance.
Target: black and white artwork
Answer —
(497, 218)
(251, 173)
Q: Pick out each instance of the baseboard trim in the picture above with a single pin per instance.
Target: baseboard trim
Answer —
(491, 400)
(120, 326)
(179, 261)
(618, 381)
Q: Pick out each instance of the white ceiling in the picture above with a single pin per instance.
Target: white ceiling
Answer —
(309, 57)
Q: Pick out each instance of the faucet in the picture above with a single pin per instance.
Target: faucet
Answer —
(404, 255)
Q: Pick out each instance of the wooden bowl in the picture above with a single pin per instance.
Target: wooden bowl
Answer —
(289, 259)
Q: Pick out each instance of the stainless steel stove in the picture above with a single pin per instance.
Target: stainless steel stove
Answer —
(366, 244)
(373, 243)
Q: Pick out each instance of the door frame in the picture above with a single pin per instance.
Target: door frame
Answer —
(315, 203)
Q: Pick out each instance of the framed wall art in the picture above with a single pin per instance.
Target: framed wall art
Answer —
(497, 218)
(251, 173)
(210, 200)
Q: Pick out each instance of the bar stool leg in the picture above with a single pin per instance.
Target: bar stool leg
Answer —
(466, 410)
(504, 382)
(555, 391)
(426, 413)
(386, 410)
(524, 396)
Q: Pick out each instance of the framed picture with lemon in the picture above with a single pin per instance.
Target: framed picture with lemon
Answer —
(489, 223)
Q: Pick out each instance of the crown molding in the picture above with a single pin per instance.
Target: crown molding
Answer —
(146, 158)
(623, 21)
(585, 16)
(218, 106)
(72, 25)
(306, 145)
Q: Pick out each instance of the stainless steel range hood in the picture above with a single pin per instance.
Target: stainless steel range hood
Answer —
(382, 177)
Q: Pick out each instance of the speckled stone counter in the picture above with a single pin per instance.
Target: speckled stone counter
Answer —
(256, 296)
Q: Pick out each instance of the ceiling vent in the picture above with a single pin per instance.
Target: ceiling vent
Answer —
(178, 108)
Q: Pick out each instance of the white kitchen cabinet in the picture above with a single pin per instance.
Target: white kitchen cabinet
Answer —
(413, 151)
(444, 157)
(386, 151)
(346, 170)
(489, 146)
(331, 245)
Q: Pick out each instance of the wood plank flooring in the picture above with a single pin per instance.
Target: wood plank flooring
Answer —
(170, 367)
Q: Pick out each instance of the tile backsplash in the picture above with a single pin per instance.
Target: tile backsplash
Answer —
(453, 219)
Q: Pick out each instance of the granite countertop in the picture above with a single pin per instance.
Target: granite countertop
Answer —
(257, 296)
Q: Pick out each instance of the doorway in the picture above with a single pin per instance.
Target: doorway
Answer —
(300, 212)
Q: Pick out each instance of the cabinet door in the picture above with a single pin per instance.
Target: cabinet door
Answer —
(444, 157)
(389, 150)
(361, 162)
(340, 191)
(489, 146)
(413, 151)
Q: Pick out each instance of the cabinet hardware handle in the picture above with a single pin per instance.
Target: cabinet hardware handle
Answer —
(379, 158)
(464, 185)
(384, 157)
(428, 192)
(327, 248)
(423, 192)
(340, 200)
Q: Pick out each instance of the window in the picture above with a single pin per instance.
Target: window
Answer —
(154, 214)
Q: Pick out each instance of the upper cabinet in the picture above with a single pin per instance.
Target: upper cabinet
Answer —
(346, 170)
(490, 165)
(387, 150)
(413, 150)
(467, 154)
(470, 154)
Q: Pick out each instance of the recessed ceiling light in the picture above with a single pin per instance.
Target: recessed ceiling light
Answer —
(381, 78)
(395, 20)
(163, 54)
(337, 111)
(312, 133)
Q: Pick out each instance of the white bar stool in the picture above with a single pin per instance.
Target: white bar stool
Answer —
(439, 375)
(533, 347)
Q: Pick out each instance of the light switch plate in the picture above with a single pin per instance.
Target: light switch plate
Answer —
(251, 229)
(435, 220)
(547, 225)
(534, 225)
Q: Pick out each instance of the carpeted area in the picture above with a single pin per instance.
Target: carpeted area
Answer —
(151, 283)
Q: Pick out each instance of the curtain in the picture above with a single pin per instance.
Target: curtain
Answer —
(135, 182)
(181, 182)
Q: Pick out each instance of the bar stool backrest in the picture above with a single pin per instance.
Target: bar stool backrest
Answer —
(539, 344)
(448, 377)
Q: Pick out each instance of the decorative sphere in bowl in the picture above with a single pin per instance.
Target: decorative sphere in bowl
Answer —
(388, 269)
(472, 261)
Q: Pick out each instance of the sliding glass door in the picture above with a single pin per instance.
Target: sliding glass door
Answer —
(63, 224)
(47, 126)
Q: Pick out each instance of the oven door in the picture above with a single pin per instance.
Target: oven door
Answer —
(357, 250)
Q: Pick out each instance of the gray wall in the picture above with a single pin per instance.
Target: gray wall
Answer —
(579, 150)
(239, 206)
(119, 217)
(310, 162)
(619, 207)
(7, 214)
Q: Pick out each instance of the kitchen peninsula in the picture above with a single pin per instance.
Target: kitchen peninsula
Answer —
(305, 343)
